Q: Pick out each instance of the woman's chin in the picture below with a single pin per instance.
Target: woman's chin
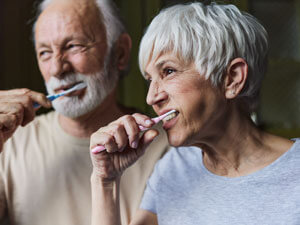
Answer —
(175, 141)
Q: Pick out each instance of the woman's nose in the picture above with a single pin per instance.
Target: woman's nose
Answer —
(156, 94)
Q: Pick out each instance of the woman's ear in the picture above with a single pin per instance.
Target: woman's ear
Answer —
(235, 78)
(123, 48)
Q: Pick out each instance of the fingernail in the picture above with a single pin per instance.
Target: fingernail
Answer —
(148, 122)
(134, 144)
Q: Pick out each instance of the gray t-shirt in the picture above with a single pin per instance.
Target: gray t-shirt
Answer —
(182, 191)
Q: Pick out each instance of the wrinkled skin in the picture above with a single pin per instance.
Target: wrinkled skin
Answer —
(123, 145)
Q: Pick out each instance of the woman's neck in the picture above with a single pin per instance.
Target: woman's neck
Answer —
(241, 148)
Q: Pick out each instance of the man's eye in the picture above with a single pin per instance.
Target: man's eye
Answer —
(74, 46)
(44, 54)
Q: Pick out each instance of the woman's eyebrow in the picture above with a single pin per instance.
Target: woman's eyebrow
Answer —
(164, 61)
(160, 64)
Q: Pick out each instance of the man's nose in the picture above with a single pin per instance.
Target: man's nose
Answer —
(156, 94)
(59, 66)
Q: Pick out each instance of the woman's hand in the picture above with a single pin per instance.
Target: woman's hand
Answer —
(123, 144)
(16, 108)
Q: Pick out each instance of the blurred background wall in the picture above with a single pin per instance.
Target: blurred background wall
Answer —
(279, 110)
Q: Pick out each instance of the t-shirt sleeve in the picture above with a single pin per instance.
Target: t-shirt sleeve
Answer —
(148, 202)
(153, 189)
(151, 194)
(159, 183)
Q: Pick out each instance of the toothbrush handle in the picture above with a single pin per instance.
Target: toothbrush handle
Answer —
(50, 97)
(98, 149)
(142, 128)
(36, 105)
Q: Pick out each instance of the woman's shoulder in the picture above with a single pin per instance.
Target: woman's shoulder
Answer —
(179, 162)
(294, 151)
(182, 155)
(296, 142)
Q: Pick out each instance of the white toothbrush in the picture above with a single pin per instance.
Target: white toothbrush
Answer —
(53, 97)
(101, 148)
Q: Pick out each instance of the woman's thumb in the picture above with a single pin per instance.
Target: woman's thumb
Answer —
(148, 137)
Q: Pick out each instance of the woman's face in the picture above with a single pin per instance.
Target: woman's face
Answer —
(199, 105)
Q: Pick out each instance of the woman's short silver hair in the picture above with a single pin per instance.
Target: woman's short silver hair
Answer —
(111, 19)
(210, 36)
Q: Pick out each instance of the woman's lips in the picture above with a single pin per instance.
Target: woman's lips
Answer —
(167, 124)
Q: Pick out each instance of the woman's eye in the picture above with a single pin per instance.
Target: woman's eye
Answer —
(148, 81)
(168, 71)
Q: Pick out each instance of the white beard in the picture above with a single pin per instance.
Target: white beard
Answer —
(99, 86)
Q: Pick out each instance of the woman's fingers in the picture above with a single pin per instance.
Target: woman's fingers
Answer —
(120, 136)
(143, 120)
(132, 130)
(104, 139)
(123, 145)
(147, 138)
(121, 133)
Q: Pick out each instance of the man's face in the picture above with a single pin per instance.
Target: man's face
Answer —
(71, 47)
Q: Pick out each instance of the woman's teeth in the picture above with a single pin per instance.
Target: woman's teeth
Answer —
(171, 116)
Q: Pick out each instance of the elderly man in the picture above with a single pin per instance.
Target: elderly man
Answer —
(45, 167)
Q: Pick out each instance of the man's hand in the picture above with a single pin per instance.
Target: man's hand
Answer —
(123, 145)
(16, 108)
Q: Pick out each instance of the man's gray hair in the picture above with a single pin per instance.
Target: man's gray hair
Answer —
(112, 20)
(210, 36)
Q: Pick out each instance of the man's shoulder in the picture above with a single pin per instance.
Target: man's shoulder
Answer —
(42, 125)
(46, 117)
(41, 122)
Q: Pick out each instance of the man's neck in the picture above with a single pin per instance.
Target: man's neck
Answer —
(87, 124)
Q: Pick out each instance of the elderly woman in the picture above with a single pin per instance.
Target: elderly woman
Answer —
(207, 63)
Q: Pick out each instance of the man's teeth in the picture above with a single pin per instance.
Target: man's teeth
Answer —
(170, 116)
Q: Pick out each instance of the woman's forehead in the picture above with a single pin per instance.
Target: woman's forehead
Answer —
(169, 56)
